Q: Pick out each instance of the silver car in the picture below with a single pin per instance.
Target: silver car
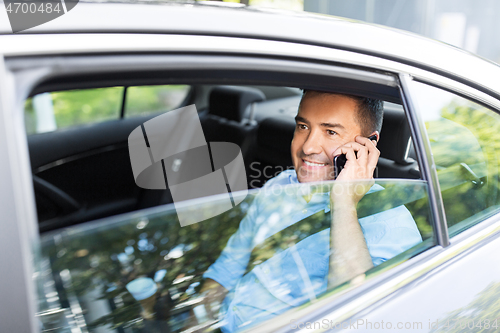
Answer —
(87, 245)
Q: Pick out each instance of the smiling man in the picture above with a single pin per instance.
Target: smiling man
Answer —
(332, 124)
(329, 125)
(256, 276)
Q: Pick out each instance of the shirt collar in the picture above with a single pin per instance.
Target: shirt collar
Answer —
(292, 178)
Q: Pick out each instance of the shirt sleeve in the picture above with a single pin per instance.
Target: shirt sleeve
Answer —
(396, 232)
(233, 261)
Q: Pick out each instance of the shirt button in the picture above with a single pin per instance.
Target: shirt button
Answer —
(304, 210)
(234, 308)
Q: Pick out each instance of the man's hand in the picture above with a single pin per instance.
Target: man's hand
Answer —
(362, 157)
(349, 253)
(214, 293)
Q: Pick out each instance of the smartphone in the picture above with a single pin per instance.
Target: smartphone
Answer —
(340, 160)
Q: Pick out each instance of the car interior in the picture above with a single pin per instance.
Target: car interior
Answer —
(83, 173)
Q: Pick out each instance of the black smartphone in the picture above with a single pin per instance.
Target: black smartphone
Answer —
(340, 160)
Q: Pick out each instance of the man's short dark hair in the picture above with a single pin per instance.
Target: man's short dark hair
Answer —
(370, 111)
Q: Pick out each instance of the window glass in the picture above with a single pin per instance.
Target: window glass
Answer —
(145, 272)
(51, 111)
(152, 99)
(464, 138)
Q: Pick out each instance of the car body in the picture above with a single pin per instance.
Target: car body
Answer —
(450, 279)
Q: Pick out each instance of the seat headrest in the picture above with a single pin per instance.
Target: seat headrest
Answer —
(394, 137)
(231, 102)
(276, 133)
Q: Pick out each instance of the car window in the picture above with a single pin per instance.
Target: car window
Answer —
(146, 271)
(48, 112)
(52, 111)
(143, 100)
(463, 138)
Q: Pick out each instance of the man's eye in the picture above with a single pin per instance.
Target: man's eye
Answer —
(301, 126)
(330, 132)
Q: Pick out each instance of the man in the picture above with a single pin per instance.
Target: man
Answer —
(256, 287)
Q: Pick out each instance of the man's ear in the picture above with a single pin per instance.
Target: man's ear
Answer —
(376, 133)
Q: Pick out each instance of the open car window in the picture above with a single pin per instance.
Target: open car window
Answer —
(86, 172)
(144, 100)
(174, 220)
(145, 271)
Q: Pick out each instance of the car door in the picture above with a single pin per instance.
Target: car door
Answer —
(63, 259)
(138, 240)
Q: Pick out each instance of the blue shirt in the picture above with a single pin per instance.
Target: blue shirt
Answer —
(298, 274)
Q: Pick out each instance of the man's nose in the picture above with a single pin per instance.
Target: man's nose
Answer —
(312, 145)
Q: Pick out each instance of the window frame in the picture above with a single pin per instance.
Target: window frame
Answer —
(359, 75)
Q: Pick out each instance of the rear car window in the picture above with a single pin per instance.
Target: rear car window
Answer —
(143, 100)
(53, 111)
(48, 112)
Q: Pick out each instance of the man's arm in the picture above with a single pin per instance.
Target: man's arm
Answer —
(224, 273)
(349, 256)
(231, 264)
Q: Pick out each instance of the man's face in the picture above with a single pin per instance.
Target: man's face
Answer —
(324, 123)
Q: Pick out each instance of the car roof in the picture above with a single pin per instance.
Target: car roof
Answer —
(250, 22)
